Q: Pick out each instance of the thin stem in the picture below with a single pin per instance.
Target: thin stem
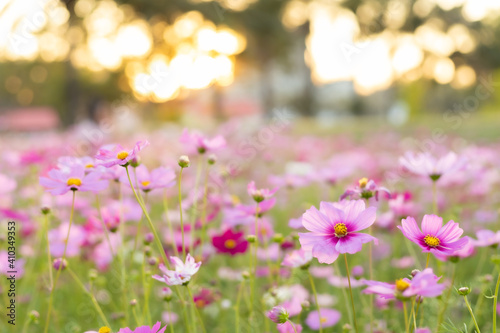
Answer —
(344, 293)
(180, 211)
(370, 265)
(407, 324)
(49, 258)
(169, 223)
(204, 211)
(413, 313)
(495, 305)
(294, 329)
(237, 306)
(313, 287)
(94, 301)
(428, 259)
(474, 318)
(434, 197)
(169, 309)
(443, 311)
(350, 291)
(196, 310)
(53, 287)
(195, 202)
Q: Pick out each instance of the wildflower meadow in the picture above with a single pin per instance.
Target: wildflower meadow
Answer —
(181, 230)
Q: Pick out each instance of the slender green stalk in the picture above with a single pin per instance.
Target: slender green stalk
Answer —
(434, 197)
(472, 315)
(180, 211)
(313, 287)
(195, 309)
(134, 312)
(495, 305)
(204, 210)
(255, 260)
(237, 306)
(94, 301)
(428, 259)
(350, 291)
(413, 313)
(291, 324)
(170, 324)
(344, 293)
(146, 314)
(49, 258)
(445, 306)
(194, 209)
(407, 322)
(58, 274)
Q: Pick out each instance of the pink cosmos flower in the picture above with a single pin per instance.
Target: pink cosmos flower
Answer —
(117, 155)
(169, 317)
(259, 195)
(434, 237)
(424, 164)
(57, 239)
(183, 271)
(288, 328)
(465, 252)
(365, 189)
(201, 142)
(230, 242)
(5, 263)
(327, 317)
(145, 329)
(74, 178)
(487, 238)
(334, 229)
(158, 178)
(297, 258)
(424, 284)
(278, 314)
(7, 184)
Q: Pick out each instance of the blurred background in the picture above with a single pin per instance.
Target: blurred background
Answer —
(65, 62)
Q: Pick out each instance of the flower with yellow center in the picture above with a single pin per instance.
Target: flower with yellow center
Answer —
(402, 285)
(340, 230)
(105, 329)
(122, 155)
(432, 241)
(89, 166)
(363, 182)
(230, 244)
(323, 320)
(200, 303)
(74, 182)
(145, 183)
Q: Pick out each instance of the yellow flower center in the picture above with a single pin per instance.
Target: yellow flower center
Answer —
(230, 244)
(105, 329)
(145, 183)
(122, 155)
(89, 166)
(362, 182)
(322, 320)
(200, 303)
(340, 230)
(74, 182)
(432, 241)
(402, 285)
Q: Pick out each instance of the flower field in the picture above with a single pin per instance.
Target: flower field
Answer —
(261, 230)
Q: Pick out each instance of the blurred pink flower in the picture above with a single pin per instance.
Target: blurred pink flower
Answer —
(288, 328)
(183, 271)
(74, 178)
(486, 238)
(334, 229)
(201, 142)
(259, 195)
(111, 155)
(161, 177)
(297, 258)
(327, 317)
(230, 242)
(424, 164)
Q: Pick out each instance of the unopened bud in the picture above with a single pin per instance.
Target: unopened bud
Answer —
(167, 294)
(33, 316)
(464, 291)
(147, 250)
(184, 161)
(59, 263)
(346, 328)
(133, 302)
(212, 159)
(415, 272)
(278, 238)
(148, 238)
(305, 305)
(245, 275)
(92, 274)
(153, 261)
(251, 238)
(45, 210)
(135, 162)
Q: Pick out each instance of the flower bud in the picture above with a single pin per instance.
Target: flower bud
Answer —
(59, 263)
(278, 314)
(305, 305)
(166, 294)
(133, 302)
(464, 291)
(278, 238)
(245, 275)
(184, 161)
(357, 272)
(45, 210)
(258, 196)
(135, 162)
(251, 238)
(92, 274)
(212, 159)
(346, 328)
(153, 261)
(33, 316)
(147, 250)
(415, 272)
(148, 238)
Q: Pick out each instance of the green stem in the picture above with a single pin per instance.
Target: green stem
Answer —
(194, 208)
(407, 322)
(204, 211)
(169, 309)
(434, 197)
(443, 311)
(291, 324)
(195, 309)
(428, 259)
(413, 313)
(350, 291)
(495, 305)
(58, 274)
(473, 317)
(180, 211)
(105, 229)
(94, 301)
(313, 287)
(344, 293)
(49, 258)
(237, 306)
(169, 223)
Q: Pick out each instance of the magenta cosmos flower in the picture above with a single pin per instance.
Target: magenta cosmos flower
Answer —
(183, 271)
(201, 142)
(158, 178)
(434, 237)
(424, 164)
(334, 229)
(289, 327)
(259, 195)
(424, 284)
(75, 179)
(230, 242)
(117, 155)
